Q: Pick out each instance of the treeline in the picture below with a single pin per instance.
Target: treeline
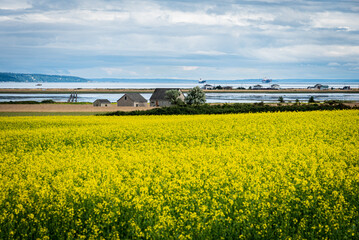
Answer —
(21, 77)
(231, 108)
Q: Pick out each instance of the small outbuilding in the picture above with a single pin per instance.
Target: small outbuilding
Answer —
(101, 103)
(132, 100)
(158, 98)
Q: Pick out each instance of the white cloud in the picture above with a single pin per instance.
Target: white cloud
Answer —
(189, 68)
(229, 19)
(210, 53)
(149, 14)
(303, 53)
(117, 71)
(14, 4)
(5, 18)
(339, 20)
(74, 17)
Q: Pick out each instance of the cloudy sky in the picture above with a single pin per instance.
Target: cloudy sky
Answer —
(187, 39)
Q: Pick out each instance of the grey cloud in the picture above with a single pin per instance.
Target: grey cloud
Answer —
(84, 34)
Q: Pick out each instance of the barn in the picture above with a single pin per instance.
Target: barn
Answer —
(158, 98)
(132, 100)
(101, 103)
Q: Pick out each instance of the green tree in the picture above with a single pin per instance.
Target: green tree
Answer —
(280, 99)
(173, 96)
(311, 100)
(195, 96)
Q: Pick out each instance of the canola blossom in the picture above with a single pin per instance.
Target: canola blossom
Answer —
(238, 176)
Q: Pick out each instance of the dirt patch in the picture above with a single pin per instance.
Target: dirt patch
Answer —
(65, 108)
(352, 104)
(85, 107)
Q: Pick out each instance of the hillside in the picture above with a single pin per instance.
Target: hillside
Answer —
(21, 77)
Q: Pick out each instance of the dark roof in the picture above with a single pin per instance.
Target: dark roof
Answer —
(136, 97)
(102, 101)
(160, 93)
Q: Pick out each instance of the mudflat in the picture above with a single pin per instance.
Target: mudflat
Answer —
(65, 108)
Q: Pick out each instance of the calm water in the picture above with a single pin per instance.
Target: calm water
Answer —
(160, 83)
(211, 97)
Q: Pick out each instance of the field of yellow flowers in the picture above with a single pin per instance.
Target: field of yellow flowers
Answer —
(241, 176)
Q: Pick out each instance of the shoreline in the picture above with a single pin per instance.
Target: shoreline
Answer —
(150, 90)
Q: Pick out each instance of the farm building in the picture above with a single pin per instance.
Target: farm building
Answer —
(319, 87)
(257, 87)
(132, 100)
(101, 103)
(207, 87)
(158, 98)
(275, 86)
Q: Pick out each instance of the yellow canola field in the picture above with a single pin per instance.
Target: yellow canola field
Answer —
(240, 176)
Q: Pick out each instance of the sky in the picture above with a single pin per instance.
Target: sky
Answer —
(181, 39)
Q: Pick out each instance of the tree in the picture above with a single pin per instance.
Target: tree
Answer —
(173, 97)
(195, 96)
(280, 99)
(311, 100)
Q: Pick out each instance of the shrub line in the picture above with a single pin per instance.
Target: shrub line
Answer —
(231, 108)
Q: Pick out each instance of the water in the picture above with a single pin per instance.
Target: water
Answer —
(273, 97)
(211, 97)
(174, 83)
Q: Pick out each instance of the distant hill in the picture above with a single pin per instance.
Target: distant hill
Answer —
(22, 77)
